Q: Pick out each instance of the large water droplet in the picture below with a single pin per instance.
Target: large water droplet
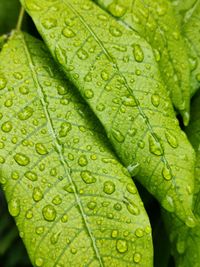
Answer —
(87, 177)
(139, 232)
(21, 159)
(49, 213)
(155, 147)
(37, 194)
(171, 139)
(129, 101)
(155, 100)
(40, 149)
(65, 128)
(166, 172)
(109, 187)
(25, 114)
(14, 207)
(121, 246)
(89, 93)
(131, 188)
(6, 126)
(138, 53)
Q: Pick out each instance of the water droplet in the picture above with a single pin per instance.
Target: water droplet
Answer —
(155, 147)
(109, 187)
(65, 128)
(117, 10)
(166, 172)
(82, 161)
(117, 206)
(132, 208)
(39, 262)
(49, 213)
(157, 55)
(18, 75)
(25, 114)
(82, 54)
(137, 257)
(91, 205)
(57, 200)
(87, 177)
(14, 207)
(61, 55)
(190, 222)
(3, 83)
(155, 100)
(115, 31)
(49, 23)
(89, 94)
(131, 188)
(118, 135)
(15, 175)
(100, 107)
(171, 139)
(39, 230)
(21, 159)
(23, 90)
(138, 53)
(129, 101)
(168, 203)
(32, 176)
(139, 232)
(121, 246)
(104, 75)
(41, 149)
(54, 238)
(37, 194)
(6, 126)
(67, 32)
(29, 214)
(2, 160)
(64, 218)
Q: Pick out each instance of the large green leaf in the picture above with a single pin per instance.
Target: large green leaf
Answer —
(74, 204)
(191, 31)
(186, 241)
(9, 11)
(115, 71)
(154, 20)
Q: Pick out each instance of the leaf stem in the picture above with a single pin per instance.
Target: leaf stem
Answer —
(20, 19)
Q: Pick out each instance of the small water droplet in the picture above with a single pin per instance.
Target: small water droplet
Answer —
(49, 23)
(105, 75)
(137, 257)
(190, 222)
(65, 128)
(64, 218)
(82, 54)
(155, 147)
(155, 100)
(29, 214)
(114, 234)
(87, 177)
(131, 188)
(25, 114)
(166, 172)
(91, 205)
(39, 262)
(55, 237)
(109, 187)
(3, 83)
(121, 246)
(82, 161)
(23, 90)
(129, 101)
(57, 200)
(138, 53)
(67, 32)
(89, 93)
(14, 207)
(100, 107)
(139, 232)
(171, 139)
(115, 31)
(118, 135)
(32, 176)
(117, 206)
(39, 230)
(37, 194)
(116, 9)
(49, 213)
(21, 159)
(6, 126)
(168, 203)
(2, 160)
(41, 149)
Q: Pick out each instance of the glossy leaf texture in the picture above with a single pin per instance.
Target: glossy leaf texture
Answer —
(73, 202)
(191, 32)
(155, 21)
(186, 241)
(9, 11)
(115, 71)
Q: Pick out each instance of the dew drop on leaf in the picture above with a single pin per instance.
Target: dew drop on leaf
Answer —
(137, 257)
(139, 232)
(32, 176)
(166, 172)
(3, 83)
(49, 213)
(39, 262)
(91, 205)
(87, 177)
(109, 187)
(155, 100)
(6, 127)
(114, 233)
(14, 207)
(2, 160)
(40, 149)
(138, 53)
(64, 218)
(25, 114)
(155, 147)
(119, 137)
(67, 32)
(82, 54)
(21, 159)
(82, 161)
(89, 93)
(37, 194)
(171, 139)
(65, 128)
(121, 246)
(49, 23)
(131, 188)
(116, 9)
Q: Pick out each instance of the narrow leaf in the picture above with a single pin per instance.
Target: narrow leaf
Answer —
(115, 71)
(154, 20)
(73, 202)
(186, 241)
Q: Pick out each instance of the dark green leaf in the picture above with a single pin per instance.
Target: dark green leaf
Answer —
(74, 203)
(115, 71)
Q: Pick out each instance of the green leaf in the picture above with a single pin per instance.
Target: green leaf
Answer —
(73, 202)
(155, 21)
(9, 11)
(186, 241)
(115, 71)
(191, 31)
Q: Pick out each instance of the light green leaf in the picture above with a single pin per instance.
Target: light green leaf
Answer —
(191, 31)
(155, 21)
(9, 11)
(115, 71)
(186, 241)
(74, 203)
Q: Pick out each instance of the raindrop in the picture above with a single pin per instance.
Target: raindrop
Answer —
(49, 23)
(138, 53)
(137, 257)
(171, 139)
(67, 32)
(82, 161)
(65, 128)
(109, 187)
(32, 176)
(64, 218)
(91, 205)
(6, 126)
(21, 159)
(155, 147)
(49, 213)
(87, 177)
(82, 54)
(25, 114)
(39, 262)
(57, 200)
(89, 93)
(14, 207)
(166, 172)
(3, 83)
(118, 135)
(131, 188)
(40, 149)
(37, 194)
(155, 100)
(121, 246)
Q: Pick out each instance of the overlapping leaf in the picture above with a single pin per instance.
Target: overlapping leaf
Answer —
(115, 71)
(74, 204)
(155, 21)
(186, 241)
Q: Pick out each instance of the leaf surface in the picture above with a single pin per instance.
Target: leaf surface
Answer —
(115, 71)
(186, 241)
(155, 21)
(73, 202)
